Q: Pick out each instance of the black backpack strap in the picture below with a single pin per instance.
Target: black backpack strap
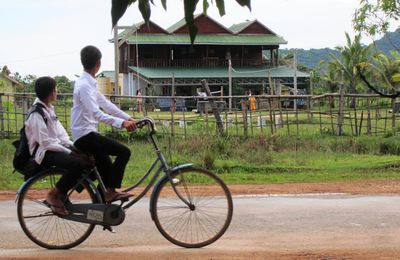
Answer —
(38, 107)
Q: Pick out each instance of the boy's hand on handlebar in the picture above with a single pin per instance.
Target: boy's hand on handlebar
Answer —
(129, 124)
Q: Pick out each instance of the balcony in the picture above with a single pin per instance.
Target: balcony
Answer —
(204, 62)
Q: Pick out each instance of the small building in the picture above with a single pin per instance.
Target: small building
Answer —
(7, 83)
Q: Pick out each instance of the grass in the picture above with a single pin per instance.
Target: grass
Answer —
(259, 160)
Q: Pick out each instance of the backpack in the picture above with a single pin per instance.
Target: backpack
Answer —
(23, 162)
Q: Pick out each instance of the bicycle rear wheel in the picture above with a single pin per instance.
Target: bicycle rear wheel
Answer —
(40, 224)
(207, 216)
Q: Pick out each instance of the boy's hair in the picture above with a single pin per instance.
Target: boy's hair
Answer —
(90, 55)
(44, 86)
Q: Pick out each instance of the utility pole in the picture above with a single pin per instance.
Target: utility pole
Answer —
(228, 56)
(295, 78)
(116, 52)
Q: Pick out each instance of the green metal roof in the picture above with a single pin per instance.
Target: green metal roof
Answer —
(213, 39)
(239, 26)
(217, 72)
(108, 74)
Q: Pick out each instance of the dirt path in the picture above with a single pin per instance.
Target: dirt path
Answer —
(357, 187)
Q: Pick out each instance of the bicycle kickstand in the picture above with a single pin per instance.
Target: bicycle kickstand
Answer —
(109, 228)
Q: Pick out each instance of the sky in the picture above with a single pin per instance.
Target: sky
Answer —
(44, 37)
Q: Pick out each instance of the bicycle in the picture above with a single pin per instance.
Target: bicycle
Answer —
(191, 207)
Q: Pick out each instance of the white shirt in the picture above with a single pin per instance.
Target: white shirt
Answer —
(50, 137)
(86, 113)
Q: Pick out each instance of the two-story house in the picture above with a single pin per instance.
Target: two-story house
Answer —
(153, 58)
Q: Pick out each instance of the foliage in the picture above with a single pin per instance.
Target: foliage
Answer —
(64, 85)
(118, 8)
(351, 55)
(375, 17)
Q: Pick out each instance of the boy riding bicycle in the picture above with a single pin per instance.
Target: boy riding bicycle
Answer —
(85, 116)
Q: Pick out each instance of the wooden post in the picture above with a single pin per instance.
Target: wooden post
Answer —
(386, 117)
(368, 116)
(351, 124)
(184, 123)
(2, 115)
(393, 116)
(251, 123)
(361, 121)
(244, 115)
(280, 112)
(172, 105)
(339, 126)
(320, 116)
(331, 114)
(270, 116)
(214, 107)
(236, 123)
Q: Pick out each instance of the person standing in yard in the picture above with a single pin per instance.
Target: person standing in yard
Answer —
(139, 100)
(252, 102)
(85, 116)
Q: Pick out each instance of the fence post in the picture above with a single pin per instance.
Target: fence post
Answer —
(2, 115)
(214, 107)
(368, 116)
(173, 105)
(339, 127)
(393, 116)
(244, 115)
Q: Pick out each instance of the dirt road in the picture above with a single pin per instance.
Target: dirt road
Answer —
(328, 226)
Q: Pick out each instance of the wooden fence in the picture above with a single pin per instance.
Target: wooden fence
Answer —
(330, 114)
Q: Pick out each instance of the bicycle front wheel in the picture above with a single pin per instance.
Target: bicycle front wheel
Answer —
(194, 209)
(38, 221)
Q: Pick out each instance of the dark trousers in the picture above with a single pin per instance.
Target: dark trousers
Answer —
(101, 147)
(73, 165)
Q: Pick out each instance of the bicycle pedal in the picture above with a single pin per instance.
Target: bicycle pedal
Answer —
(109, 228)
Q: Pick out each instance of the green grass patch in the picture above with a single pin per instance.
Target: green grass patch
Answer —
(258, 160)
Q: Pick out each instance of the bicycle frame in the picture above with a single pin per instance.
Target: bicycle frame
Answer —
(163, 167)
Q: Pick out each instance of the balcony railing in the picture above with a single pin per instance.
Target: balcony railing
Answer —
(205, 62)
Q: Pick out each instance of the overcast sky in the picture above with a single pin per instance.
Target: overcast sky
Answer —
(44, 37)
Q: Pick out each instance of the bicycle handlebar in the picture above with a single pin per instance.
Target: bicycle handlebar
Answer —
(146, 121)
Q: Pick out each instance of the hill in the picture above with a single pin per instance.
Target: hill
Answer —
(311, 58)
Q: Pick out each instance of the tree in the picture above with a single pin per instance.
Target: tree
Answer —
(351, 55)
(375, 17)
(384, 71)
(118, 8)
(64, 85)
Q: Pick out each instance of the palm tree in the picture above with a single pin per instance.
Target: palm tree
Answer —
(331, 77)
(351, 55)
(382, 74)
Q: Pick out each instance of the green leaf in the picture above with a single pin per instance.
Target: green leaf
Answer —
(118, 8)
(164, 4)
(190, 7)
(221, 7)
(205, 6)
(244, 3)
(396, 77)
(145, 10)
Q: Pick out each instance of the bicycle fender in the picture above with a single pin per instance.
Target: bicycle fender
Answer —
(165, 178)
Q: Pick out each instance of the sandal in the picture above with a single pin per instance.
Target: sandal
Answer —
(123, 196)
(58, 210)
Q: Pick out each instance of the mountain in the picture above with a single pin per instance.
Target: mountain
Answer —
(390, 41)
(312, 58)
